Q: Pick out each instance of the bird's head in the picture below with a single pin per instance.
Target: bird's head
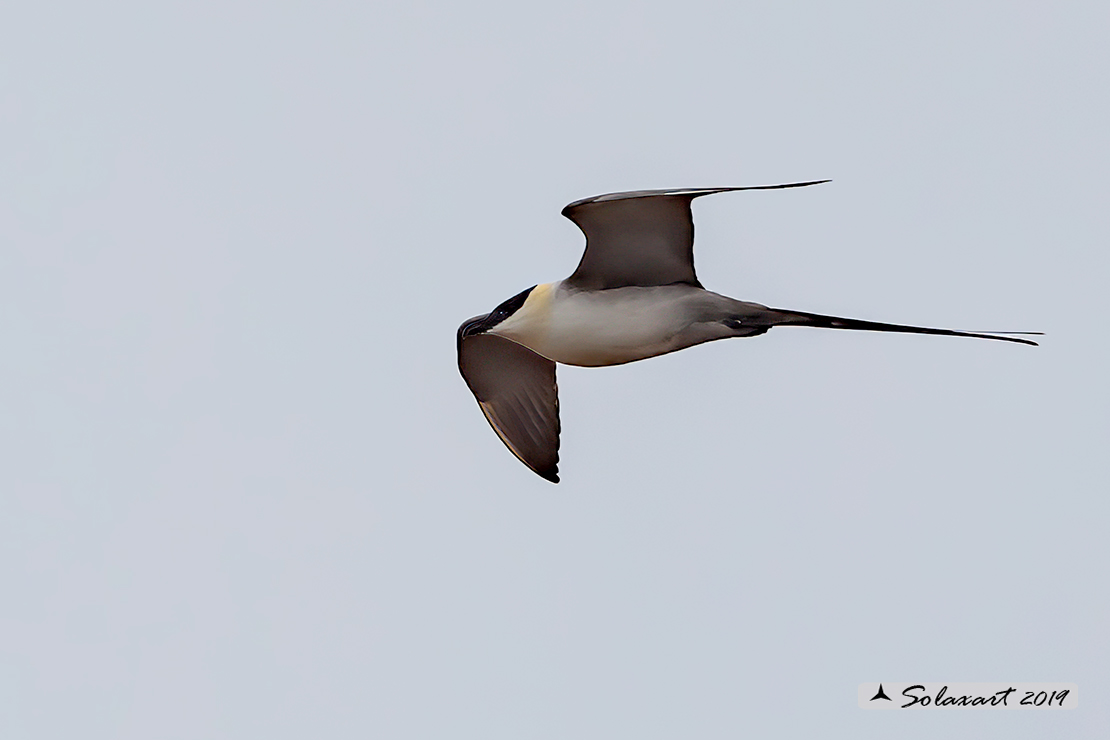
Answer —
(483, 324)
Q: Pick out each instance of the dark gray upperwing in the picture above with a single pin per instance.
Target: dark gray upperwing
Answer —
(516, 390)
(642, 237)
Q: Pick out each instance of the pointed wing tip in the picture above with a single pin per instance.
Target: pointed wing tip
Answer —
(772, 187)
(690, 192)
(550, 471)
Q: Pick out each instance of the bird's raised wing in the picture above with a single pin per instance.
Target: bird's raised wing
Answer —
(642, 237)
(516, 390)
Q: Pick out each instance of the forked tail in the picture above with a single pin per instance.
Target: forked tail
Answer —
(800, 318)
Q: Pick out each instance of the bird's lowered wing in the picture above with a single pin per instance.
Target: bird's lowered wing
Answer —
(642, 237)
(516, 390)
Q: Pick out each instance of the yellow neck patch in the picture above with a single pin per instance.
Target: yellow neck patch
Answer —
(539, 300)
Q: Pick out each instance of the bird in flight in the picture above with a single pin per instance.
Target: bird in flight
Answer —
(633, 296)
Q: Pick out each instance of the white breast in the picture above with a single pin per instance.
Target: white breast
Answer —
(607, 327)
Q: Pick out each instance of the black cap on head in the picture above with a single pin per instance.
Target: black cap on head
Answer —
(482, 324)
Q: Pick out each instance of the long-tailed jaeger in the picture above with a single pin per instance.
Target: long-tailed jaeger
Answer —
(634, 295)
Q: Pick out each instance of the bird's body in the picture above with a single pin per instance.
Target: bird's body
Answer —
(633, 296)
(612, 327)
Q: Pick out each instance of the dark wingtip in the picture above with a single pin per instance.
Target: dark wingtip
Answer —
(783, 186)
(683, 192)
(780, 187)
(803, 184)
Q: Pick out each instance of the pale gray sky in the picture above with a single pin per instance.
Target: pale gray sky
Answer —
(245, 493)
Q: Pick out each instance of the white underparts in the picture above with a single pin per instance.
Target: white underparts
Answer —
(611, 327)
